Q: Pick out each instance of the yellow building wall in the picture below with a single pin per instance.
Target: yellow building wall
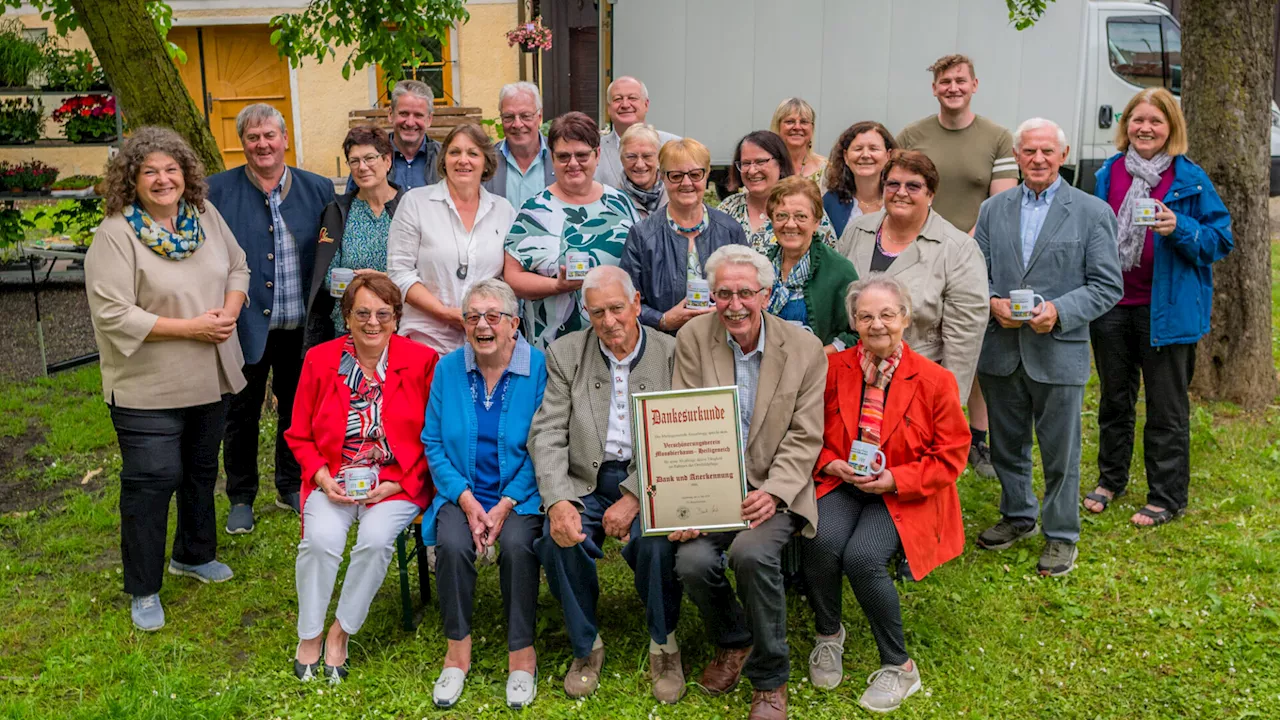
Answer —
(485, 63)
(325, 100)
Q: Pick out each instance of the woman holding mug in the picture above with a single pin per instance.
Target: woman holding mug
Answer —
(894, 443)
(759, 162)
(853, 173)
(638, 148)
(1150, 336)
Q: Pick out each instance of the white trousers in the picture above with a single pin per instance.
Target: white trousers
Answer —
(325, 527)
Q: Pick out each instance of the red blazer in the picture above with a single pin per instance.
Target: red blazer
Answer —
(925, 441)
(323, 400)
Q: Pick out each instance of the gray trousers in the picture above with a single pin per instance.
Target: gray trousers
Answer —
(756, 558)
(1017, 405)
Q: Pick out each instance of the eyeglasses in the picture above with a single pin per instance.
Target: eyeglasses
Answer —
(647, 157)
(783, 218)
(524, 117)
(745, 295)
(886, 317)
(893, 186)
(383, 316)
(564, 157)
(676, 177)
(745, 165)
(367, 160)
(493, 317)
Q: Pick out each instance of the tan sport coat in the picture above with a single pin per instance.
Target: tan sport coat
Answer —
(946, 274)
(786, 426)
(566, 439)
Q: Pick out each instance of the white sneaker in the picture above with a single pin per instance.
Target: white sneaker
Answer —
(826, 669)
(889, 686)
(522, 688)
(448, 688)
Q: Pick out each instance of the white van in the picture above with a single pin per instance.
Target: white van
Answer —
(716, 69)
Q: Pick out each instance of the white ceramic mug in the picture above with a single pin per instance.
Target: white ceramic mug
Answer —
(358, 481)
(699, 294)
(339, 279)
(862, 456)
(1023, 302)
(577, 265)
(1144, 211)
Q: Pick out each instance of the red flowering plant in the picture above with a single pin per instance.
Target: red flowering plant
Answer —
(531, 36)
(28, 177)
(88, 118)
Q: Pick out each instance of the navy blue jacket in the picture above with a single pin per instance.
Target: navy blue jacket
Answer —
(1182, 280)
(247, 212)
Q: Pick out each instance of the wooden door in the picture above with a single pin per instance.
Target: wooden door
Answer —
(241, 67)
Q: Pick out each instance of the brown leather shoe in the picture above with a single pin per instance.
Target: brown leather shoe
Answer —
(584, 674)
(724, 671)
(667, 675)
(769, 704)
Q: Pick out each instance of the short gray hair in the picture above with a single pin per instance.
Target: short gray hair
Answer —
(416, 88)
(1037, 123)
(876, 281)
(251, 116)
(643, 132)
(511, 90)
(644, 90)
(740, 255)
(495, 289)
(602, 275)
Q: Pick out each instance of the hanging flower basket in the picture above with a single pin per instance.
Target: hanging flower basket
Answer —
(531, 37)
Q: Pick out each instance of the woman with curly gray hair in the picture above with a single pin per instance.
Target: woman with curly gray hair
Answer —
(166, 282)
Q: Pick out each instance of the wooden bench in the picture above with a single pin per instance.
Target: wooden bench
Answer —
(410, 615)
(443, 120)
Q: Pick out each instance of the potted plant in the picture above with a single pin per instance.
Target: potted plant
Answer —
(531, 36)
(32, 176)
(21, 119)
(88, 118)
(74, 70)
(74, 186)
(19, 57)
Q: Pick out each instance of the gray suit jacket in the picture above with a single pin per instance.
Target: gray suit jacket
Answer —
(566, 440)
(498, 183)
(1075, 265)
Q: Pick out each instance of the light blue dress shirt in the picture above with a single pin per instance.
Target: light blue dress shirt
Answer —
(523, 185)
(1034, 210)
(746, 373)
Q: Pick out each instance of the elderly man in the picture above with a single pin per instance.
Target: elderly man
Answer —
(628, 104)
(524, 161)
(1059, 242)
(580, 443)
(413, 156)
(274, 211)
(780, 370)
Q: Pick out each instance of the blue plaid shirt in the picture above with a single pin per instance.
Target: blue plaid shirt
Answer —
(288, 307)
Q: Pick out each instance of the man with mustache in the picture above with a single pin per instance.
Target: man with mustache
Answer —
(1051, 238)
(580, 443)
(781, 371)
(274, 211)
(628, 104)
(974, 157)
(524, 160)
(413, 156)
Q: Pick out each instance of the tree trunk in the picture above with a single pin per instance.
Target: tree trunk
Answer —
(146, 82)
(1228, 59)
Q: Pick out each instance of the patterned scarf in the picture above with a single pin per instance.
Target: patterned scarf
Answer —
(365, 443)
(648, 199)
(876, 374)
(792, 288)
(1146, 175)
(174, 246)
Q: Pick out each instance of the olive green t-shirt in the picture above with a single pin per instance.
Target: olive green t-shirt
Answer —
(967, 161)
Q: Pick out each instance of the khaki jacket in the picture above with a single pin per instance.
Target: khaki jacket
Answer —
(786, 426)
(566, 439)
(946, 274)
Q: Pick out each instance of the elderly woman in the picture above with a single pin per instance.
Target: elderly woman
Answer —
(358, 421)
(575, 214)
(638, 148)
(793, 121)
(357, 224)
(483, 398)
(886, 397)
(447, 237)
(759, 162)
(667, 251)
(810, 278)
(1151, 334)
(166, 282)
(941, 264)
(853, 173)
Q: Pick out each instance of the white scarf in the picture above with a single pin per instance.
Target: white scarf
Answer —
(1146, 175)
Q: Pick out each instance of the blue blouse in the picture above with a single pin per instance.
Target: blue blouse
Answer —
(487, 471)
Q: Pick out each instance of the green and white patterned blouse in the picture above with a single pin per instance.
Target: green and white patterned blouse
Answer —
(548, 227)
(762, 239)
(364, 247)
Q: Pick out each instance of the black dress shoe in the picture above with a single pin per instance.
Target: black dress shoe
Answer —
(290, 501)
(303, 671)
(335, 674)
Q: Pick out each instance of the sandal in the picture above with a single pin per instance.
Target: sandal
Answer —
(1158, 517)
(1103, 500)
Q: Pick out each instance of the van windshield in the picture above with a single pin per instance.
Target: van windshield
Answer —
(1146, 51)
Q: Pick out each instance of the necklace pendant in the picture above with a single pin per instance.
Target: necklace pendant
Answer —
(462, 272)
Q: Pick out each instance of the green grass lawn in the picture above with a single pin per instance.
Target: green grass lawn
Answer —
(1178, 622)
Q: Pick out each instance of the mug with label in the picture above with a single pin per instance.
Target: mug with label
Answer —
(1022, 303)
(358, 481)
(699, 294)
(1144, 211)
(862, 455)
(339, 279)
(577, 265)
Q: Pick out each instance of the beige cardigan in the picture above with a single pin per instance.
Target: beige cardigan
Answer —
(130, 286)
(947, 276)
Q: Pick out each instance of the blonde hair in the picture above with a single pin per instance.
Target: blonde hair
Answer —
(1162, 100)
(684, 150)
(787, 108)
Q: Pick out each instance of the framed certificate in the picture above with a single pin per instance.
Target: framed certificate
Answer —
(688, 450)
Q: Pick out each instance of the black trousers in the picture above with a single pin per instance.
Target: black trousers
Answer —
(1125, 358)
(282, 358)
(163, 452)
(856, 538)
(517, 574)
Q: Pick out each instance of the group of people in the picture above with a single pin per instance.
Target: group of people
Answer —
(458, 335)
